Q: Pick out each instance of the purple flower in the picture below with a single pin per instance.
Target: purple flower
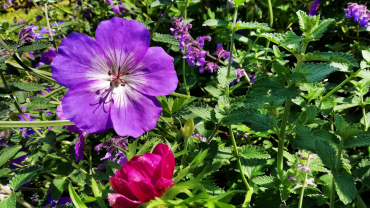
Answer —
(113, 151)
(292, 179)
(210, 66)
(221, 53)
(110, 2)
(21, 22)
(359, 12)
(44, 30)
(303, 168)
(239, 73)
(5, 6)
(101, 167)
(47, 57)
(17, 161)
(39, 17)
(313, 8)
(301, 156)
(240, 32)
(79, 146)
(57, 23)
(246, 135)
(252, 78)
(61, 201)
(199, 136)
(116, 9)
(113, 82)
(181, 33)
(311, 182)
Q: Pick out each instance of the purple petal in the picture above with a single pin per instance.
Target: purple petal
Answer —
(125, 42)
(77, 63)
(59, 112)
(79, 147)
(134, 113)
(84, 105)
(155, 74)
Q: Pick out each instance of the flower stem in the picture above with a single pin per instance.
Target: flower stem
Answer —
(161, 19)
(364, 112)
(20, 200)
(47, 21)
(33, 124)
(271, 14)
(186, 148)
(231, 50)
(183, 13)
(186, 96)
(68, 160)
(335, 171)
(54, 91)
(184, 74)
(38, 8)
(304, 185)
(280, 154)
(340, 85)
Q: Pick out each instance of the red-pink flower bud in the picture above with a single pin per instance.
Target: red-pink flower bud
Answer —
(143, 178)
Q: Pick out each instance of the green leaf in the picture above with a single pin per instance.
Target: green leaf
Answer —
(273, 37)
(267, 89)
(238, 2)
(345, 186)
(266, 181)
(290, 38)
(318, 71)
(4, 171)
(253, 167)
(282, 71)
(50, 138)
(4, 110)
(367, 119)
(250, 25)
(97, 193)
(249, 151)
(243, 39)
(326, 153)
(366, 55)
(216, 22)
(75, 198)
(165, 38)
(160, 2)
(317, 165)
(22, 96)
(215, 92)
(27, 86)
(202, 110)
(3, 58)
(10, 43)
(250, 117)
(37, 45)
(308, 116)
(222, 76)
(9, 153)
(307, 23)
(9, 70)
(321, 28)
(362, 171)
(9, 202)
(14, 28)
(357, 141)
(326, 136)
(23, 176)
(57, 188)
(330, 56)
(37, 103)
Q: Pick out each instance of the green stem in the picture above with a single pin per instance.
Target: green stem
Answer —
(31, 124)
(161, 19)
(271, 14)
(231, 51)
(280, 154)
(68, 160)
(53, 92)
(35, 72)
(340, 85)
(364, 112)
(186, 148)
(236, 155)
(21, 201)
(213, 133)
(359, 202)
(186, 96)
(335, 171)
(183, 13)
(38, 8)
(304, 185)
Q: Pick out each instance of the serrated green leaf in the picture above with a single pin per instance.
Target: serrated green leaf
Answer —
(267, 89)
(265, 181)
(8, 154)
(216, 22)
(250, 117)
(321, 28)
(290, 38)
(250, 25)
(27, 86)
(10, 43)
(364, 29)
(23, 176)
(9, 70)
(273, 37)
(238, 2)
(215, 92)
(14, 28)
(38, 45)
(307, 23)
(37, 103)
(165, 38)
(345, 186)
(326, 153)
(4, 110)
(160, 2)
(317, 165)
(282, 71)
(367, 119)
(9, 202)
(243, 39)
(21, 96)
(202, 110)
(4, 171)
(222, 76)
(249, 152)
(3, 58)
(57, 188)
(366, 55)
(326, 136)
(357, 141)
(97, 193)
(75, 198)
(308, 116)
(253, 167)
(318, 71)
(362, 171)
(330, 56)
(50, 138)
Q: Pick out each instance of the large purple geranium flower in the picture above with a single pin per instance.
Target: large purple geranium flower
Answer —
(114, 79)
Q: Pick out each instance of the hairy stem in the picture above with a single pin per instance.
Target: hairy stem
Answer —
(231, 51)
(304, 185)
(184, 74)
(271, 22)
(280, 154)
(363, 112)
(335, 171)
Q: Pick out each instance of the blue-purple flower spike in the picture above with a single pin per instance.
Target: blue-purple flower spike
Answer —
(359, 12)
(313, 8)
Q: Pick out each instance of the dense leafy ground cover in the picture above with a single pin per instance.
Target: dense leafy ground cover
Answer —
(195, 103)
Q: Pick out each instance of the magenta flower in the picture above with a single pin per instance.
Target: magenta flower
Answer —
(47, 57)
(143, 178)
(114, 79)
